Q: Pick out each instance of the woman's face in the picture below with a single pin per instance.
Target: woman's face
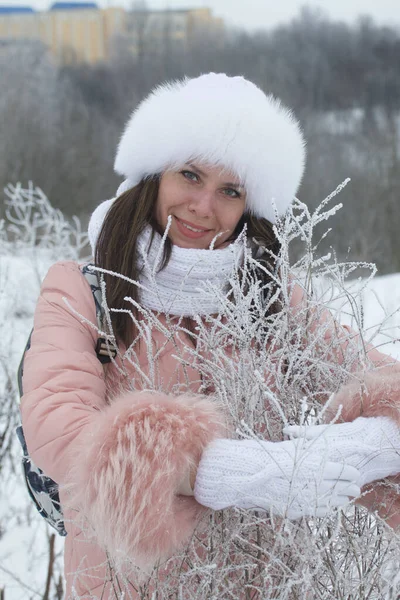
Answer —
(203, 202)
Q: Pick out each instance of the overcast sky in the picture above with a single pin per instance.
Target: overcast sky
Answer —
(264, 13)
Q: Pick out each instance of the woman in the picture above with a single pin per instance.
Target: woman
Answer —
(144, 447)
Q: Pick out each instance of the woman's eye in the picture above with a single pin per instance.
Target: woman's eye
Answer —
(190, 175)
(232, 193)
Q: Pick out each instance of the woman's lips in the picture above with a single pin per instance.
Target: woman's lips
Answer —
(183, 227)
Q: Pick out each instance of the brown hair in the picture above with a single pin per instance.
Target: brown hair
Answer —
(116, 249)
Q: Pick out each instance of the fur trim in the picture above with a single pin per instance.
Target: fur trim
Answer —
(374, 393)
(129, 468)
(96, 222)
(218, 120)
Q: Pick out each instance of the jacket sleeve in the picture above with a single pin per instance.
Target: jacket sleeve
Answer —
(119, 464)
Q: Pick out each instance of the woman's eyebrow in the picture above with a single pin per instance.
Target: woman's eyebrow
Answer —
(196, 168)
(235, 185)
(200, 172)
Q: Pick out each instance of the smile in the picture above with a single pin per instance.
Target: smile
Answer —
(192, 228)
(191, 231)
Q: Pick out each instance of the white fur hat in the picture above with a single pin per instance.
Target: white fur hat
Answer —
(217, 120)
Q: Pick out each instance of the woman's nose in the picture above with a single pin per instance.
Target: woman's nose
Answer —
(202, 204)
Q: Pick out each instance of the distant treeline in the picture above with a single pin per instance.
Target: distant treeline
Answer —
(60, 126)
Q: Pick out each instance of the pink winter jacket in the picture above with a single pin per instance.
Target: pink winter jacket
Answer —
(121, 458)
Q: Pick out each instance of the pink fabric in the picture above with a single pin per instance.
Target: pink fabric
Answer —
(129, 466)
(119, 457)
(118, 461)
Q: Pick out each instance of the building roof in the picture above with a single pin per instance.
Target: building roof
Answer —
(15, 9)
(72, 5)
(172, 11)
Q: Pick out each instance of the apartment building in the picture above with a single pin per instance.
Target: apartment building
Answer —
(82, 32)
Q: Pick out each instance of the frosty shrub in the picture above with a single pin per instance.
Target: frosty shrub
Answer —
(33, 235)
(32, 223)
(266, 368)
(269, 368)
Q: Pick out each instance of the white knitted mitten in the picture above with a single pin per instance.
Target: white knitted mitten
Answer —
(284, 478)
(372, 445)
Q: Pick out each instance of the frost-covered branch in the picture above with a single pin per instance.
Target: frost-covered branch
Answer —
(268, 368)
(33, 222)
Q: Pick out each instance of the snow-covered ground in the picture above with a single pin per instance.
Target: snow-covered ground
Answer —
(24, 537)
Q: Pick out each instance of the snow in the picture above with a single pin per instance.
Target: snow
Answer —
(24, 539)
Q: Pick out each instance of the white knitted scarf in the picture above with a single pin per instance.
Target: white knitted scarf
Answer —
(194, 282)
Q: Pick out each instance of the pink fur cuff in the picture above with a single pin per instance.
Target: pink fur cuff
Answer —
(129, 468)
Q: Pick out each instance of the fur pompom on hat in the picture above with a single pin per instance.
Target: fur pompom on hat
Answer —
(217, 120)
